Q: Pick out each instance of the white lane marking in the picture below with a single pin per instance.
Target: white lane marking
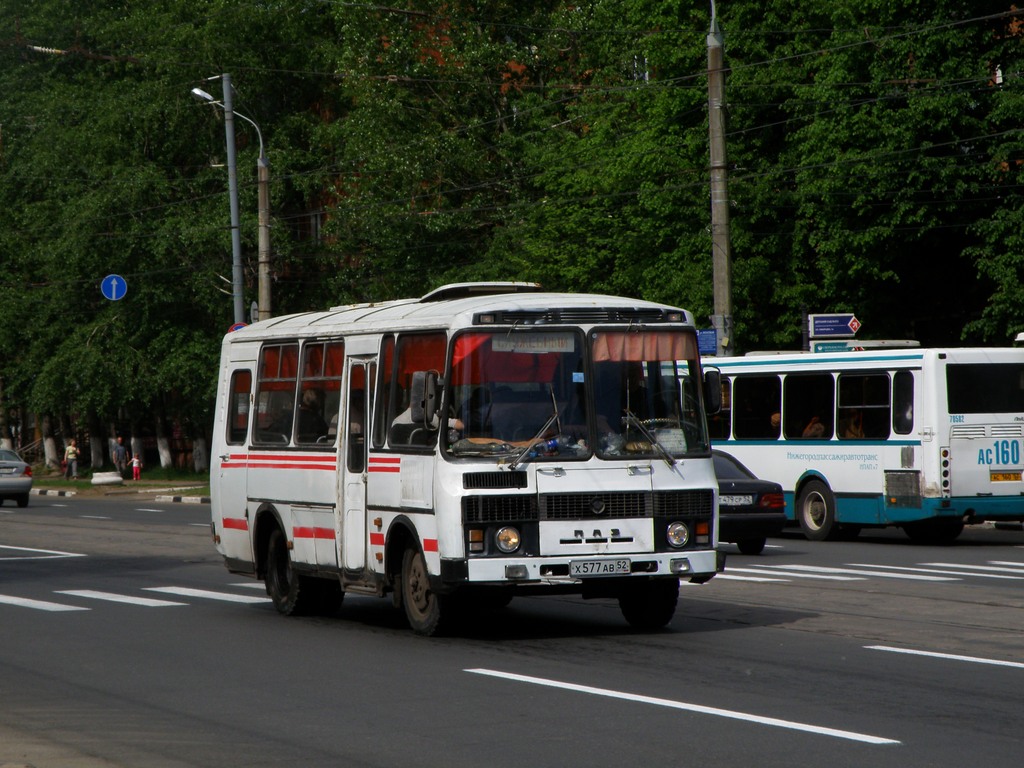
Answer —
(149, 602)
(878, 574)
(951, 656)
(249, 585)
(945, 571)
(991, 568)
(794, 574)
(46, 554)
(730, 577)
(698, 708)
(1018, 566)
(39, 605)
(145, 509)
(94, 517)
(210, 594)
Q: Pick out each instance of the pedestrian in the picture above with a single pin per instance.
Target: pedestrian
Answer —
(71, 460)
(120, 456)
(136, 467)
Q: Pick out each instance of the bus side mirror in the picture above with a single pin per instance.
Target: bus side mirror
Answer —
(424, 398)
(712, 391)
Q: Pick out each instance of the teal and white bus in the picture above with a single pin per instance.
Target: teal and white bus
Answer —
(923, 439)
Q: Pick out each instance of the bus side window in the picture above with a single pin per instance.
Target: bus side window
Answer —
(809, 406)
(387, 358)
(238, 407)
(275, 393)
(357, 420)
(863, 411)
(903, 402)
(415, 353)
(718, 424)
(756, 403)
(320, 388)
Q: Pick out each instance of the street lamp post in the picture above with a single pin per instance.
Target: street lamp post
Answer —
(263, 181)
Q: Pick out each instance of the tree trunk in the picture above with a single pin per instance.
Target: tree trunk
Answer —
(51, 456)
(200, 455)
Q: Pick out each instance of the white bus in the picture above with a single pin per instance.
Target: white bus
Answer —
(481, 442)
(923, 439)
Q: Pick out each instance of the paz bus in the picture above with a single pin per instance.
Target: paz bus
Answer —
(481, 442)
(923, 439)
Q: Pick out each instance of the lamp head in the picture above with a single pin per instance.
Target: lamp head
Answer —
(202, 95)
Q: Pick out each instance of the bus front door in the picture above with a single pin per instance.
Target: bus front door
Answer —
(353, 430)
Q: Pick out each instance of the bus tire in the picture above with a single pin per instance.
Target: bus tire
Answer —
(424, 608)
(935, 531)
(751, 546)
(286, 588)
(650, 605)
(816, 512)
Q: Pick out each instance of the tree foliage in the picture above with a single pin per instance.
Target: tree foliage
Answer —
(874, 152)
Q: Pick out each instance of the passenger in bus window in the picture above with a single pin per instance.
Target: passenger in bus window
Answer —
(311, 421)
(852, 428)
(814, 428)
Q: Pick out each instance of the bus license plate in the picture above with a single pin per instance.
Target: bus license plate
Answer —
(1002, 477)
(599, 567)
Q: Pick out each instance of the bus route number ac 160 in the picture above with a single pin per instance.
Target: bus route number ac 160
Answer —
(599, 567)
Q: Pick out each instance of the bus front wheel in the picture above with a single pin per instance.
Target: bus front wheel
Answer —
(424, 608)
(286, 588)
(650, 605)
(816, 512)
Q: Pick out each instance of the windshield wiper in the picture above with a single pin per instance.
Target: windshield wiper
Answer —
(631, 419)
(533, 440)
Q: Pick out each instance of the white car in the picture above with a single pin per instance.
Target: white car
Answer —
(15, 478)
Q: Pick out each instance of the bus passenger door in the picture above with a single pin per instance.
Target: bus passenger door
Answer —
(353, 430)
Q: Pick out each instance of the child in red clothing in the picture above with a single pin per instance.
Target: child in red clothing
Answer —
(136, 466)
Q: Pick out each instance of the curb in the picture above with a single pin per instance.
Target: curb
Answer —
(184, 499)
(48, 492)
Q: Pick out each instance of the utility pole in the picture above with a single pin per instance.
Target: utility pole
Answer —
(721, 255)
(263, 175)
(236, 233)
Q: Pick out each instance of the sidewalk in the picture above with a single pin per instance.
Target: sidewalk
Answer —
(157, 490)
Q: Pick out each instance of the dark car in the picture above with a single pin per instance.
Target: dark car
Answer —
(749, 509)
(15, 478)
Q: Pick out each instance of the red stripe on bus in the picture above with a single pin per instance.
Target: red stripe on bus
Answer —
(312, 532)
(235, 523)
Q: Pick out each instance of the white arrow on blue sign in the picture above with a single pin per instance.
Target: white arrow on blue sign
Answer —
(113, 287)
(836, 325)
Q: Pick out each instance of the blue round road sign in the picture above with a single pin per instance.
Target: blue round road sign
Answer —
(114, 287)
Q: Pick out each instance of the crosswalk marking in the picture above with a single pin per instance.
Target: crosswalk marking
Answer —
(794, 574)
(980, 575)
(149, 602)
(991, 568)
(209, 594)
(877, 574)
(39, 605)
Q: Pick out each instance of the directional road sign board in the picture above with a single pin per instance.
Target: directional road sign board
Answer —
(836, 325)
(113, 287)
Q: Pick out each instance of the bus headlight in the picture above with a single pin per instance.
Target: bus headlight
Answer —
(677, 534)
(507, 539)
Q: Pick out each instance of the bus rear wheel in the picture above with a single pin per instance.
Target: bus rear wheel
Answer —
(816, 511)
(424, 608)
(651, 605)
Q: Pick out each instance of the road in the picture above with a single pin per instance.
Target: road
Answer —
(125, 642)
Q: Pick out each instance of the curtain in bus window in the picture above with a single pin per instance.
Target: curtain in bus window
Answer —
(515, 358)
(415, 353)
(319, 393)
(275, 394)
(903, 402)
(637, 347)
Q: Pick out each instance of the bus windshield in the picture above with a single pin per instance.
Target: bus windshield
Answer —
(529, 392)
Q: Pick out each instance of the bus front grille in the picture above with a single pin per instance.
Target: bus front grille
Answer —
(694, 504)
